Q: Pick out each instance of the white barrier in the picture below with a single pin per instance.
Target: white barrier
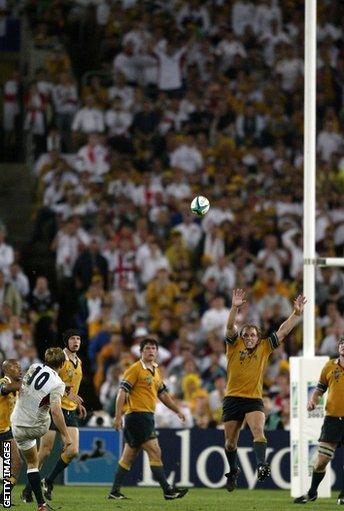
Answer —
(305, 426)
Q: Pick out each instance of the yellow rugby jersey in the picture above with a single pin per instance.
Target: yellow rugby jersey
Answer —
(71, 375)
(7, 403)
(143, 386)
(332, 379)
(245, 368)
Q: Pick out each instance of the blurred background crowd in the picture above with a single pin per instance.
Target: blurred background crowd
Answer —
(133, 108)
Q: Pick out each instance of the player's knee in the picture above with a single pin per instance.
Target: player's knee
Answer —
(72, 452)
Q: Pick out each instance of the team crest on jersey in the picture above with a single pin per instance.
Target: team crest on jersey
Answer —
(246, 354)
(243, 355)
(70, 373)
(149, 380)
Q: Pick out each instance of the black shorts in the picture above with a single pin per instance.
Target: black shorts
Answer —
(70, 418)
(235, 408)
(138, 428)
(332, 430)
(8, 435)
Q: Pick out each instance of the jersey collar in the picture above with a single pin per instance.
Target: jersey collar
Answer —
(144, 365)
(67, 357)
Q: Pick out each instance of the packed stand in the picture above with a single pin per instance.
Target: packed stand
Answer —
(187, 98)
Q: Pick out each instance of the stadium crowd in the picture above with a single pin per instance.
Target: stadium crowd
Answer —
(156, 102)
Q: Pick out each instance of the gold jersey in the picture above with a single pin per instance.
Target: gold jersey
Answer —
(7, 403)
(332, 379)
(143, 386)
(71, 375)
(245, 368)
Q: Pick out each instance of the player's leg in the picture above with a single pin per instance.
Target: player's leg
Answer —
(326, 452)
(63, 461)
(153, 450)
(124, 465)
(46, 446)
(232, 418)
(30, 454)
(232, 432)
(256, 423)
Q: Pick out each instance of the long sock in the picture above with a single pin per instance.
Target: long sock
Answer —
(317, 477)
(34, 478)
(159, 475)
(259, 447)
(342, 487)
(59, 467)
(232, 457)
(120, 475)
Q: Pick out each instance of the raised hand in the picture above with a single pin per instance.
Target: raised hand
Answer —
(299, 304)
(238, 297)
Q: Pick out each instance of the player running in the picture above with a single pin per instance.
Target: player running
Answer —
(332, 431)
(71, 375)
(139, 389)
(9, 386)
(41, 392)
(247, 357)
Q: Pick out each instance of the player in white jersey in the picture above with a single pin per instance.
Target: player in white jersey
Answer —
(41, 392)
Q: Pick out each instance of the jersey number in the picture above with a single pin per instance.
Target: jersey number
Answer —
(41, 380)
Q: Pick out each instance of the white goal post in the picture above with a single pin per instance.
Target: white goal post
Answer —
(305, 371)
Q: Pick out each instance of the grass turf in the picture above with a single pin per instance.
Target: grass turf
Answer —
(94, 498)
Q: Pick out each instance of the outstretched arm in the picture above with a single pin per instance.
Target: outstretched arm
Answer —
(238, 299)
(293, 319)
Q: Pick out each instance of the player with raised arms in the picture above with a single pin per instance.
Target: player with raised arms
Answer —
(247, 356)
(40, 394)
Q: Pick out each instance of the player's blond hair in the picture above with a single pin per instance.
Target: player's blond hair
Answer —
(54, 357)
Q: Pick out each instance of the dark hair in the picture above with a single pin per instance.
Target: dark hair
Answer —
(251, 325)
(68, 334)
(148, 340)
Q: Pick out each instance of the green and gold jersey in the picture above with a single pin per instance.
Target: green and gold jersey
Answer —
(71, 375)
(143, 386)
(332, 379)
(245, 368)
(7, 402)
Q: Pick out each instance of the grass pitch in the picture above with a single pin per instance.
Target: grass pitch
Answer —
(94, 498)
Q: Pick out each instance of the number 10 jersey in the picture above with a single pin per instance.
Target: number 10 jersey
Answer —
(41, 387)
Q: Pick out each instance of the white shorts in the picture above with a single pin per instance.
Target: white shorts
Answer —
(26, 436)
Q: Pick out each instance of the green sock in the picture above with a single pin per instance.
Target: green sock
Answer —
(259, 451)
(59, 467)
(159, 475)
(232, 459)
(120, 475)
(317, 477)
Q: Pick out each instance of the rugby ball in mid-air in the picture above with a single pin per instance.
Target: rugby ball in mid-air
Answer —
(200, 205)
